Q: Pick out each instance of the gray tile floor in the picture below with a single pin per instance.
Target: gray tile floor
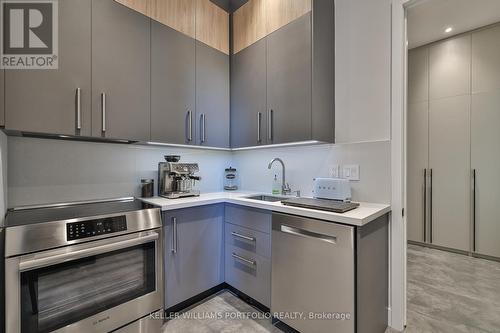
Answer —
(450, 292)
(447, 293)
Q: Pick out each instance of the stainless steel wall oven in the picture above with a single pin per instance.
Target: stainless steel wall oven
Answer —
(87, 267)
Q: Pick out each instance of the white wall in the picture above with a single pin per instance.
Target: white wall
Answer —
(362, 70)
(307, 162)
(47, 171)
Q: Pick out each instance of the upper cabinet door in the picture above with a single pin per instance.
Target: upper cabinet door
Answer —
(418, 75)
(212, 25)
(249, 24)
(289, 82)
(212, 96)
(281, 12)
(486, 60)
(177, 14)
(248, 96)
(172, 86)
(2, 97)
(46, 101)
(449, 68)
(120, 72)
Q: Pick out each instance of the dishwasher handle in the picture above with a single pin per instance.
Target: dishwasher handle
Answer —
(308, 234)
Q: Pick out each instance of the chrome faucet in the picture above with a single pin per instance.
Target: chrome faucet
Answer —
(285, 187)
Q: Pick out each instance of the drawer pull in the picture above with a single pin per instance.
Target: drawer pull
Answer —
(235, 234)
(245, 260)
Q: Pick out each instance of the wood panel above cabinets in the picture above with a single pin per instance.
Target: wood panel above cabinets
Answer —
(259, 18)
(249, 24)
(141, 6)
(199, 19)
(212, 25)
(177, 14)
(281, 12)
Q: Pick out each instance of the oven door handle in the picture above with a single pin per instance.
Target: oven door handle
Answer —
(30, 264)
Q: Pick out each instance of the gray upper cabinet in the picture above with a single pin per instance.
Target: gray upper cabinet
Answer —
(248, 96)
(45, 101)
(120, 72)
(212, 96)
(289, 57)
(172, 86)
(193, 251)
(2, 97)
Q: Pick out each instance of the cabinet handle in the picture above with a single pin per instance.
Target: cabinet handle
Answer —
(103, 108)
(430, 208)
(78, 108)
(259, 120)
(203, 128)
(245, 260)
(425, 205)
(190, 125)
(174, 235)
(235, 234)
(474, 210)
(270, 124)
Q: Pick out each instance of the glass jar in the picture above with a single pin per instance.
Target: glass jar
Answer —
(230, 179)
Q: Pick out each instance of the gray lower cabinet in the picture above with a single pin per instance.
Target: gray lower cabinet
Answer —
(248, 96)
(248, 252)
(46, 101)
(289, 58)
(212, 96)
(193, 248)
(120, 72)
(172, 86)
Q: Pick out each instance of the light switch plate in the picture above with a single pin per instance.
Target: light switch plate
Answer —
(350, 172)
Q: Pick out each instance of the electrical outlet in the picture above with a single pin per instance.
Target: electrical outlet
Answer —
(350, 172)
(335, 171)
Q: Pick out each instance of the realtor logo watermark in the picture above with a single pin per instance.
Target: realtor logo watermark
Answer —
(29, 34)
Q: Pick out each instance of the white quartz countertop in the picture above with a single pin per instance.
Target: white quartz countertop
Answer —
(360, 216)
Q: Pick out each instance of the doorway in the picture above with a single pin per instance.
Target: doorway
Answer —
(452, 161)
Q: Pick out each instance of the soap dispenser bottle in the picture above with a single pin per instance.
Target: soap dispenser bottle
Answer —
(276, 189)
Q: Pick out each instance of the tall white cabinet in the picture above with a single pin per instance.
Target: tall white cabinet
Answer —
(454, 143)
(485, 140)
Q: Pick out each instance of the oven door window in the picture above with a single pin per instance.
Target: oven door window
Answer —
(59, 295)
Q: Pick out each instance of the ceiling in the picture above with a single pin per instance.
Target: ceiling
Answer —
(428, 19)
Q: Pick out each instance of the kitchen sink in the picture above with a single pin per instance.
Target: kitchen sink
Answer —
(264, 197)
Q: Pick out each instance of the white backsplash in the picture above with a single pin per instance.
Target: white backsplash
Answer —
(46, 171)
(304, 163)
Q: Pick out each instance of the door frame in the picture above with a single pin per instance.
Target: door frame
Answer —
(398, 232)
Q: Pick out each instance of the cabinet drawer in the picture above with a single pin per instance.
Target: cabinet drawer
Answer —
(248, 240)
(249, 273)
(251, 218)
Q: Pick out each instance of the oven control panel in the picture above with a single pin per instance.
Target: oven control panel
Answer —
(98, 227)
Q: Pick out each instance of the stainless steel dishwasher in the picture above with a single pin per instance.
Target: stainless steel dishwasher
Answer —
(313, 277)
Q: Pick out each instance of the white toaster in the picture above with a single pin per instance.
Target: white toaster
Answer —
(332, 188)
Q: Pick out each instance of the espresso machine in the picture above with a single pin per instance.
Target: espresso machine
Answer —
(175, 179)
